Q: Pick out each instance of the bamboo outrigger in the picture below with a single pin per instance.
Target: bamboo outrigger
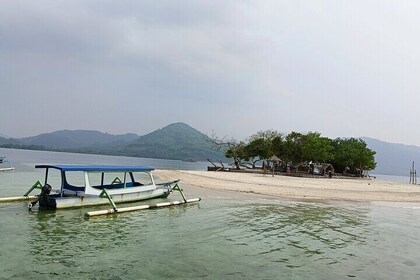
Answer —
(114, 209)
(9, 166)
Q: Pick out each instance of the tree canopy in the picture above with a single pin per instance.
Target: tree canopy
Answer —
(346, 154)
(353, 153)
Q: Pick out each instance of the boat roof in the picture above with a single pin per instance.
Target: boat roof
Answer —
(96, 168)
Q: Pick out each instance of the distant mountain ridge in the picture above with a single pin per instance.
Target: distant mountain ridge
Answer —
(392, 158)
(175, 141)
(9, 141)
(182, 142)
(70, 139)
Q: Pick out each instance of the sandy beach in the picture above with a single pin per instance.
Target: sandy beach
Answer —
(295, 187)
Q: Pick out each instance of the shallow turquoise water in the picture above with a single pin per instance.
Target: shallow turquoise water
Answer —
(226, 236)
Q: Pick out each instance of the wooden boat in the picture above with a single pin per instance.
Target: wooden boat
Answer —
(8, 167)
(88, 185)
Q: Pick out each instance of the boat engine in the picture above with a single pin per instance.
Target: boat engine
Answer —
(43, 196)
(45, 190)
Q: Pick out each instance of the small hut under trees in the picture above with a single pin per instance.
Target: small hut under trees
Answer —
(320, 169)
(275, 160)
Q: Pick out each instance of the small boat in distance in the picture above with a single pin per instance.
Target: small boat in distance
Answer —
(87, 185)
(5, 165)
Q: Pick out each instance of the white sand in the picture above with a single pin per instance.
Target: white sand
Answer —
(298, 188)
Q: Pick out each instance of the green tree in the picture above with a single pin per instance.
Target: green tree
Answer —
(231, 148)
(260, 146)
(293, 147)
(278, 146)
(237, 151)
(353, 153)
(317, 148)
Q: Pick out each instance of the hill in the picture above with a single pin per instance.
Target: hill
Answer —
(392, 158)
(71, 139)
(9, 141)
(175, 141)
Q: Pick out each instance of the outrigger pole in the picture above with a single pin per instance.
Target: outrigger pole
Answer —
(25, 197)
(139, 207)
(116, 210)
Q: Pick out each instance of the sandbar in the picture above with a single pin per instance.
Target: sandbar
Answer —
(296, 187)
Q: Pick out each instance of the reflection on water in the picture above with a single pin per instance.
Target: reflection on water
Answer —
(67, 244)
(297, 233)
(69, 234)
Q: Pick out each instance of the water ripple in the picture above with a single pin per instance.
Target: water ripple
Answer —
(301, 230)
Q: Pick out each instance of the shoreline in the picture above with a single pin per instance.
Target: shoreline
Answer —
(296, 187)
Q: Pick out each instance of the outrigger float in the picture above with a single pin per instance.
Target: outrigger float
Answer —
(91, 185)
(3, 167)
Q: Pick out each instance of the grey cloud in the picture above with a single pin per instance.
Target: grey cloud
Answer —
(342, 68)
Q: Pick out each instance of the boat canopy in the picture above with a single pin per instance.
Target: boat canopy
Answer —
(97, 168)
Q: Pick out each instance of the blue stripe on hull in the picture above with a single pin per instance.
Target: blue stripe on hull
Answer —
(52, 202)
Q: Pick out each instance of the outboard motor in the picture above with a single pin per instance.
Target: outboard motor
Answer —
(45, 191)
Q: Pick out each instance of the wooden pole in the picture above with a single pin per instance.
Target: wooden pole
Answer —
(139, 207)
(16, 198)
(273, 168)
(413, 174)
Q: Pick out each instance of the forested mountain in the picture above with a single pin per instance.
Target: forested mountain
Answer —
(70, 139)
(175, 141)
(9, 141)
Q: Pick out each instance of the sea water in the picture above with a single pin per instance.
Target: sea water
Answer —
(228, 235)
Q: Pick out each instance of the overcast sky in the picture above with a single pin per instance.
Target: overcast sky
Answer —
(342, 68)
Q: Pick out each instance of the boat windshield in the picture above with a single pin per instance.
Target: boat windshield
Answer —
(55, 179)
(75, 178)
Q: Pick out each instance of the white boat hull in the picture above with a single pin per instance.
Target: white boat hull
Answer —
(58, 202)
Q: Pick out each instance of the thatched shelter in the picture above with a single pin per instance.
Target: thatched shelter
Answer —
(274, 159)
(323, 169)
